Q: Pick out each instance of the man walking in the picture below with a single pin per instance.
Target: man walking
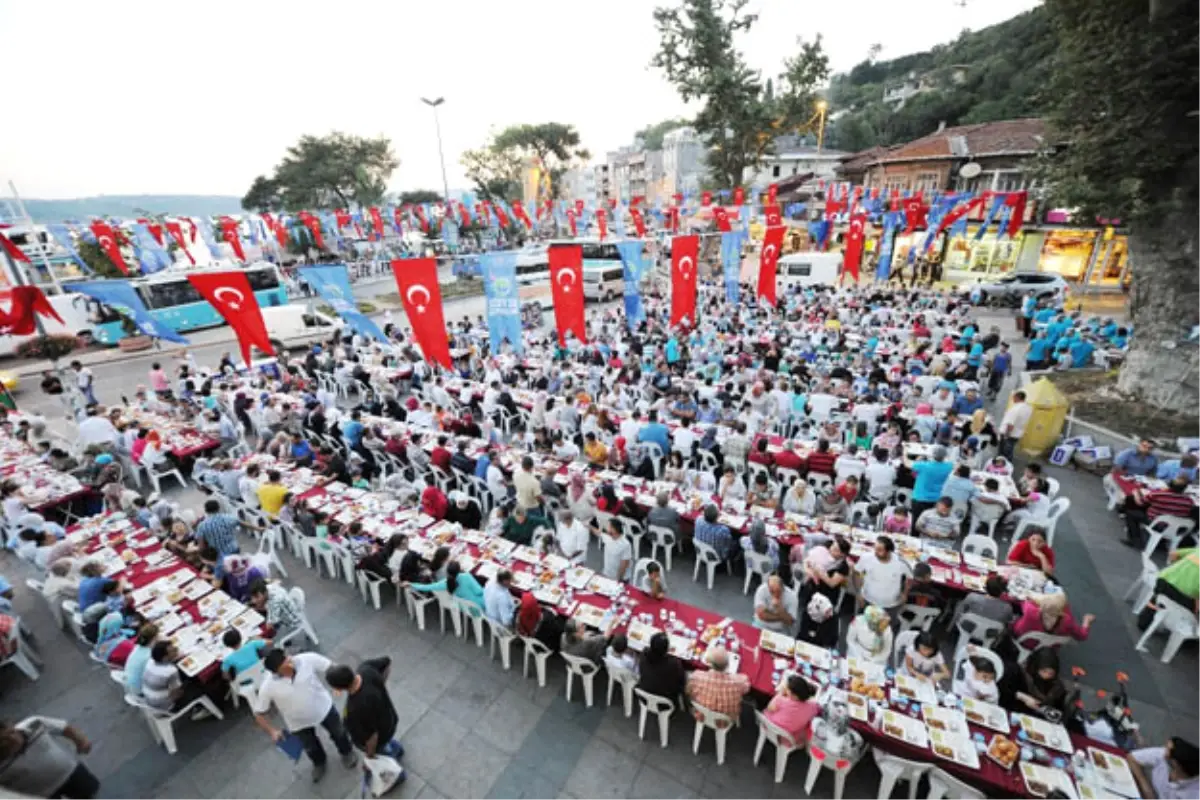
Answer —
(296, 687)
(370, 715)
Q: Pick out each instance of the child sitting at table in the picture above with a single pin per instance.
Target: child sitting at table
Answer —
(923, 661)
(923, 591)
(897, 521)
(793, 709)
(619, 655)
(999, 466)
(977, 678)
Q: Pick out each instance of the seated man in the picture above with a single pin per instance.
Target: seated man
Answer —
(776, 608)
(715, 688)
(1138, 460)
(1144, 507)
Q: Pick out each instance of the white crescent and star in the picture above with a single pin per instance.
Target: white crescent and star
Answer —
(683, 267)
(561, 278)
(418, 289)
(236, 302)
(769, 253)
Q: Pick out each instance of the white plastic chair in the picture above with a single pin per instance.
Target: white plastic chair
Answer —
(641, 568)
(976, 629)
(156, 476)
(718, 722)
(959, 674)
(267, 545)
(1143, 587)
(1167, 528)
(986, 514)
(619, 676)
(1036, 640)
(246, 683)
(840, 767)
(1052, 487)
(917, 617)
(664, 538)
(1113, 492)
(162, 723)
(893, 768)
(540, 653)
(900, 645)
(471, 616)
(942, 785)
(1179, 622)
(74, 620)
(502, 638)
(820, 482)
(346, 558)
(786, 476)
(759, 564)
(448, 608)
(18, 657)
(297, 596)
(1048, 523)
(708, 556)
(784, 745)
(902, 497)
(368, 586)
(417, 603)
(586, 669)
(983, 546)
(661, 707)
(634, 532)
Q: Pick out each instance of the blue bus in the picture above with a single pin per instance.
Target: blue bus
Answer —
(173, 300)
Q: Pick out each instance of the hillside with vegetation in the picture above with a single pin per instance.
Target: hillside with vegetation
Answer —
(996, 73)
(131, 206)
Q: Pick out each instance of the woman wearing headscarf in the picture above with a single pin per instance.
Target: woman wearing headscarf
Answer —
(113, 642)
(757, 541)
(537, 622)
(1050, 614)
(1037, 687)
(818, 623)
(618, 455)
(870, 636)
(239, 574)
(579, 499)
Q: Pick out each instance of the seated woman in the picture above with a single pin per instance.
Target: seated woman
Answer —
(1050, 614)
(1033, 551)
(114, 642)
(458, 583)
(1036, 688)
(659, 672)
(757, 541)
(239, 574)
(870, 636)
(539, 623)
(793, 709)
(818, 623)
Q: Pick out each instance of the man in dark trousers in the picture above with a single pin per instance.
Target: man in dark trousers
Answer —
(370, 717)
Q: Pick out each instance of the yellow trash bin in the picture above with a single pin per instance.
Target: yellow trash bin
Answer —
(1045, 426)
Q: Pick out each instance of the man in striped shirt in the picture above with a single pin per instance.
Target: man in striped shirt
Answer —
(1145, 507)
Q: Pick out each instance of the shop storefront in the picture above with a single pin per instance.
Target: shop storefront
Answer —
(992, 254)
(1097, 259)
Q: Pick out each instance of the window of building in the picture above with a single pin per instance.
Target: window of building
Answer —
(897, 182)
(1010, 181)
(775, 171)
(927, 181)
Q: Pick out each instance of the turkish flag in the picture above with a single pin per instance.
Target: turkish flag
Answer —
(602, 222)
(464, 215)
(739, 196)
(768, 257)
(706, 199)
(422, 297)
(773, 215)
(420, 214)
(377, 220)
(343, 219)
(230, 294)
(1016, 218)
(314, 227)
(772, 194)
(191, 229)
(852, 252)
(612, 202)
(14, 252)
(229, 232)
(571, 220)
(155, 230)
(914, 213)
(519, 212)
(721, 217)
(176, 233)
(107, 239)
(578, 207)
(959, 211)
(398, 219)
(27, 301)
(638, 222)
(566, 286)
(684, 250)
(677, 198)
(833, 207)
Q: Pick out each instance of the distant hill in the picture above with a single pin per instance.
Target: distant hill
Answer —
(982, 76)
(132, 205)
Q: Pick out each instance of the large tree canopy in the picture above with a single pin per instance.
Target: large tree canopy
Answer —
(496, 174)
(652, 135)
(337, 170)
(419, 196)
(1124, 98)
(496, 169)
(739, 117)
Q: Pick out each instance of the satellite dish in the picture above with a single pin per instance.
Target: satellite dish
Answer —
(969, 170)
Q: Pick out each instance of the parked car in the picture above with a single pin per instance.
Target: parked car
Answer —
(1009, 290)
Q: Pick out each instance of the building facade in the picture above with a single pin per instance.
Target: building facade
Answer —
(683, 162)
(788, 162)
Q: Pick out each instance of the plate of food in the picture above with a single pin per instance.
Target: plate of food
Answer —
(987, 714)
(956, 747)
(873, 691)
(1040, 781)
(818, 657)
(196, 590)
(682, 647)
(639, 634)
(589, 615)
(905, 729)
(546, 593)
(859, 709)
(777, 643)
(1003, 750)
(523, 580)
(605, 586)
(1113, 772)
(867, 671)
(194, 663)
(579, 577)
(1047, 734)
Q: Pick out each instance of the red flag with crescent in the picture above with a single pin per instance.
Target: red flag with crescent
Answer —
(721, 217)
(772, 194)
(107, 239)
(571, 220)
(638, 222)
(342, 217)
(959, 211)
(27, 302)
(1016, 218)
(420, 215)
(773, 215)
(155, 229)
(684, 251)
(464, 215)
(768, 257)
(612, 202)
(852, 252)
(914, 213)
(376, 220)
(417, 279)
(602, 222)
(230, 294)
(176, 233)
(229, 232)
(677, 198)
(578, 207)
(519, 212)
(739, 196)
(314, 227)
(706, 199)
(566, 285)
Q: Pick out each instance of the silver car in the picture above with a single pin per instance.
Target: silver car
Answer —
(1010, 289)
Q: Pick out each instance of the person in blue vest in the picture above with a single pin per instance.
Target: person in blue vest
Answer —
(968, 333)
(1081, 352)
(1038, 355)
(1108, 328)
(1044, 315)
(1028, 307)
(974, 357)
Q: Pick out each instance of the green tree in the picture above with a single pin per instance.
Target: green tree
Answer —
(419, 196)
(652, 135)
(1124, 88)
(99, 262)
(338, 170)
(738, 118)
(263, 195)
(554, 145)
(495, 174)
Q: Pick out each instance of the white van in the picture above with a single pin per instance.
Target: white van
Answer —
(294, 326)
(603, 283)
(808, 269)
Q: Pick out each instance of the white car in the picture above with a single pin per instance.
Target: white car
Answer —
(1010, 289)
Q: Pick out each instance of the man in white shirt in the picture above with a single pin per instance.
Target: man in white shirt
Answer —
(572, 538)
(849, 463)
(942, 400)
(776, 608)
(1012, 426)
(618, 554)
(631, 426)
(882, 478)
(498, 603)
(96, 429)
(821, 404)
(564, 448)
(248, 486)
(497, 485)
(882, 576)
(295, 685)
(684, 438)
(491, 399)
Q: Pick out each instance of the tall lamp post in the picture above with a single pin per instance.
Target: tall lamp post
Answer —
(441, 157)
(822, 106)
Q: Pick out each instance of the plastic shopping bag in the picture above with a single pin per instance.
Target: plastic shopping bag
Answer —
(382, 772)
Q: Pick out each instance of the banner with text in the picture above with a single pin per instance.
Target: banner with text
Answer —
(499, 272)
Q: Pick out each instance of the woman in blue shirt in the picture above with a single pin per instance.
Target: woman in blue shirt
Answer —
(1036, 357)
(459, 584)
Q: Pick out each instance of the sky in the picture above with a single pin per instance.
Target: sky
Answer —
(199, 98)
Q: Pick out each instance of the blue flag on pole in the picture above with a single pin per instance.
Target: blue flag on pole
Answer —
(997, 204)
(731, 264)
(631, 262)
(62, 235)
(150, 253)
(332, 283)
(206, 233)
(503, 301)
(121, 295)
(883, 269)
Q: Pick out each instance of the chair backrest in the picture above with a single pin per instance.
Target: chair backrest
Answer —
(297, 595)
(1058, 508)
(662, 535)
(641, 567)
(942, 784)
(775, 734)
(860, 514)
(654, 702)
(985, 512)
(1172, 526)
(706, 552)
(536, 645)
(1174, 611)
(900, 646)
(711, 719)
(580, 665)
(760, 563)
(902, 497)
(786, 477)
(1053, 487)
(819, 481)
(980, 545)
(1036, 640)
(979, 652)
(979, 629)
(917, 617)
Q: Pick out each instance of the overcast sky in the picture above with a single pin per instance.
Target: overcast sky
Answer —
(198, 98)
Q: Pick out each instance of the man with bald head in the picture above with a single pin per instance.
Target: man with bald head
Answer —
(717, 689)
(776, 607)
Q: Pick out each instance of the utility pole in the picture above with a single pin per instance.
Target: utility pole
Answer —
(822, 107)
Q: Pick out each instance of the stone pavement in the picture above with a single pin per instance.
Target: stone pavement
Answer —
(473, 730)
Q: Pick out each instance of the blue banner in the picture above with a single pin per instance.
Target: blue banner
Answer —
(731, 264)
(883, 269)
(997, 204)
(205, 226)
(121, 296)
(150, 253)
(62, 235)
(503, 301)
(332, 283)
(633, 267)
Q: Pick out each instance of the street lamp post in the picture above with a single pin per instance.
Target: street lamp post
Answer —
(441, 157)
(822, 106)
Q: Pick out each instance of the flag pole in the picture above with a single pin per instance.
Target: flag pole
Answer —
(41, 251)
